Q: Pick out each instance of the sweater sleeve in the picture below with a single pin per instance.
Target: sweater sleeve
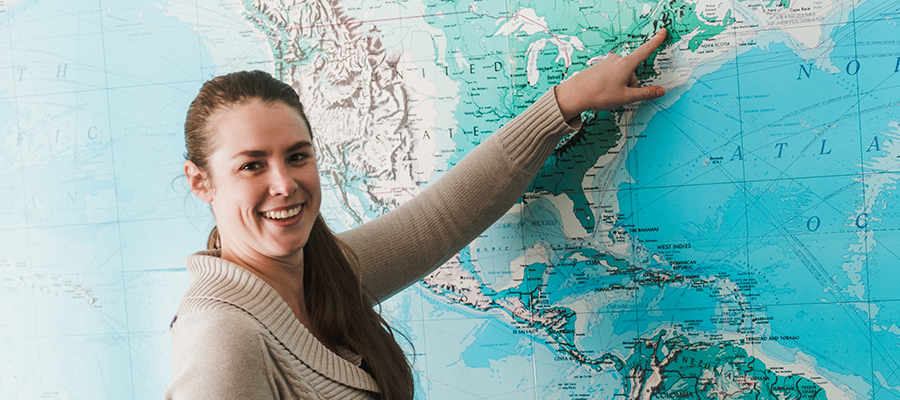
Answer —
(402, 246)
(218, 355)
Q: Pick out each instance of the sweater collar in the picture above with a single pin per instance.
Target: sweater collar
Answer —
(218, 279)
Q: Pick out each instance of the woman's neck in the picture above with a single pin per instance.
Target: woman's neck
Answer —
(285, 275)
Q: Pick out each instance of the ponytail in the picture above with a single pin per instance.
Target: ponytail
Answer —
(213, 243)
(348, 319)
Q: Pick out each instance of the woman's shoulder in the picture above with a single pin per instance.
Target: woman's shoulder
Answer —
(225, 324)
(219, 353)
(221, 339)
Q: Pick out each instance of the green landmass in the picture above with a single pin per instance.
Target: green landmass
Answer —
(564, 170)
(670, 366)
(598, 26)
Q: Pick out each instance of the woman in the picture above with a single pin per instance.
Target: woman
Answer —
(279, 307)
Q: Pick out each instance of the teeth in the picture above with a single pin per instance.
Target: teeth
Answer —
(283, 214)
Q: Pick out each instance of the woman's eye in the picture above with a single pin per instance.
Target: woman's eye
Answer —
(252, 166)
(299, 157)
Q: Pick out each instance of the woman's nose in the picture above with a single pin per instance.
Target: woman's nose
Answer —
(281, 183)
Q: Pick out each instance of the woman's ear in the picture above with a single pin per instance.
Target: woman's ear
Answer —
(198, 181)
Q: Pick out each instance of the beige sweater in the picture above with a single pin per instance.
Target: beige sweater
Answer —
(234, 337)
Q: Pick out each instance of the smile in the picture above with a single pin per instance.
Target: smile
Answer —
(283, 214)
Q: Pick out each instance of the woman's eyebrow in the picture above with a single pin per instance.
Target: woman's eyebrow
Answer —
(262, 153)
(299, 145)
(252, 154)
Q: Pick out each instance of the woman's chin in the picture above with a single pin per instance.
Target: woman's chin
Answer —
(291, 249)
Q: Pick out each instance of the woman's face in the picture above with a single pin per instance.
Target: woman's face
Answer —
(264, 183)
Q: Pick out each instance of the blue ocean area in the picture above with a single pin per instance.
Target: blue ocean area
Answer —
(692, 189)
(767, 188)
(495, 341)
(99, 99)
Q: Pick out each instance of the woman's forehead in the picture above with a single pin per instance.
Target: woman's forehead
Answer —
(256, 123)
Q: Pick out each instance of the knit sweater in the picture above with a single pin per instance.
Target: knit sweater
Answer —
(235, 338)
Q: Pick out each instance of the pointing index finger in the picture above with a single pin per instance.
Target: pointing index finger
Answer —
(646, 49)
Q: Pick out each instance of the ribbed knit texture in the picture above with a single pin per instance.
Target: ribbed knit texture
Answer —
(235, 338)
(526, 138)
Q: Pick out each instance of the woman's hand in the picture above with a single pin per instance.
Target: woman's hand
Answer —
(608, 84)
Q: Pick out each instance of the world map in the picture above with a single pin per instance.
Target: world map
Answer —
(734, 239)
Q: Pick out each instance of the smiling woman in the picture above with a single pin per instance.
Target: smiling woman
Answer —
(281, 308)
(250, 157)
(265, 192)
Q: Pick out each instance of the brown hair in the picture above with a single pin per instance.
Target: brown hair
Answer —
(338, 304)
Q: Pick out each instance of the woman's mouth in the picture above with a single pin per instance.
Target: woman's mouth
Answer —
(283, 214)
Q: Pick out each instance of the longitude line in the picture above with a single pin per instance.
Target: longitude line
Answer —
(420, 297)
(424, 352)
(516, 96)
(115, 190)
(18, 133)
(522, 217)
(631, 165)
(737, 79)
(199, 42)
(864, 201)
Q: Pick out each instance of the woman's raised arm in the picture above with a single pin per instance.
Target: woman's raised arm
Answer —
(405, 244)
